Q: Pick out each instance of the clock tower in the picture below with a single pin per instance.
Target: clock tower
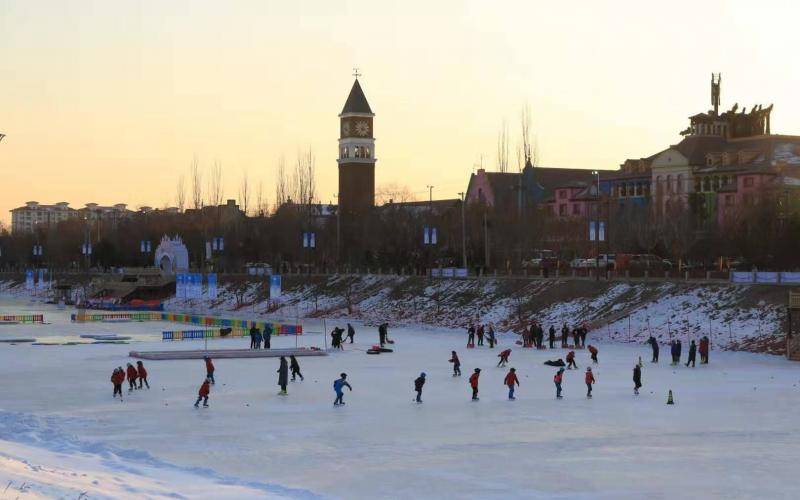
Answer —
(356, 156)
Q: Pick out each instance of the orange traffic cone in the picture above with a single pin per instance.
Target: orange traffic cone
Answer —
(669, 398)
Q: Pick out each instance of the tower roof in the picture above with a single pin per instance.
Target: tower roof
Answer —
(356, 101)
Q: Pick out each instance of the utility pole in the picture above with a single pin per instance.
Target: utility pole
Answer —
(430, 199)
(338, 229)
(597, 227)
(485, 243)
(463, 232)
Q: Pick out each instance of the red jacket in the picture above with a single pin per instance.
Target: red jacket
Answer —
(592, 349)
(703, 347)
(557, 378)
(505, 354)
(511, 379)
(204, 389)
(589, 378)
(117, 377)
(209, 366)
(142, 372)
(132, 373)
(473, 380)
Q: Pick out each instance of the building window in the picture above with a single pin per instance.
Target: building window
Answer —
(680, 184)
(562, 194)
(728, 200)
(669, 184)
(748, 182)
(562, 210)
(706, 184)
(576, 209)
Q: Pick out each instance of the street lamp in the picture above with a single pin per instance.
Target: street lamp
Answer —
(144, 249)
(596, 223)
(215, 247)
(463, 232)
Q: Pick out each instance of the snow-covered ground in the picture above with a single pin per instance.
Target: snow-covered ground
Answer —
(732, 433)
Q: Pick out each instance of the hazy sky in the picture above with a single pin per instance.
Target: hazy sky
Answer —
(109, 101)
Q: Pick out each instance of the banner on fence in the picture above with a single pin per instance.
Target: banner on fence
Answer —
(180, 286)
(275, 283)
(40, 284)
(790, 277)
(29, 279)
(766, 277)
(742, 277)
(212, 286)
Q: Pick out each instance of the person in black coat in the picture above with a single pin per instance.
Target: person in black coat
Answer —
(552, 337)
(558, 362)
(673, 349)
(253, 331)
(679, 350)
(283, 375)
(267, 336)
(539, 336)
(470, 336)
(383, 333)
(637, 378)
(418, 383)
(582, 331)
(692, 354)
(295, 367)
(653, 345)
(351, 332)
(564, 335)
(491, 336)
(258, 339)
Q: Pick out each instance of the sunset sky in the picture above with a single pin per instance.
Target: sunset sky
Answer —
(109, 102)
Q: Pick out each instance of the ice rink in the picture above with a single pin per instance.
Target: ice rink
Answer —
(733, 432)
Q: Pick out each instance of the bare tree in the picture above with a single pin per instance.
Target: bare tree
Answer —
(180, 194)
(244, 192)
(197, 184)
(394, 192)
(502, 148)
(303, 183)
(215, 188)
(281, 184)
(525, 133)
(261, 200)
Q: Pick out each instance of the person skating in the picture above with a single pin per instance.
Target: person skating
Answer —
(203, 393)
(418, 383)
(336, 338)
(480, 331)
(576, 338)
(571, 361)
(283, 375)
(253, 331)
(294, 366)
(510, 380)
(583, 331)
(558, 378)
(593, 352)
(132, 374)
(491, 336)
(471, 336)
(141, 374)
(637, 378)
(267, 336)
(539, 336)
(704, 345)
(692, 354)
(473, 382)
(117, 378)
(503, 357)
(564, 335)
(654, 346)
(209, 369)
(259, 338)
(552, 337)
(383, 333)
(589, 379)
(351, 332)
(338, 387)
(456, 364)
(555, 362)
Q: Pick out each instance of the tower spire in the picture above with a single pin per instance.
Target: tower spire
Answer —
(716, 84)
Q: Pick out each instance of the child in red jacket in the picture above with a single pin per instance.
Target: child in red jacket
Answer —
(593, 351)
(132, 374)
(504, 357)
(589, 379)
(117, 378)
(142, 374)
(456, 364)
(510, 380)
(571, 361)
(203, 393)
(473, 382)
(209, 369)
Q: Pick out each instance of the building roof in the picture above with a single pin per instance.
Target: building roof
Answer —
(356, 101)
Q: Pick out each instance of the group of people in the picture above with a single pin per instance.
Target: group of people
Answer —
(481, 332)
(533, 336)
(256, 337)
(337, 334)
(676, 349)
(134, 374)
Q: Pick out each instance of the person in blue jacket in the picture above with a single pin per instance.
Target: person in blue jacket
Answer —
(338, 386)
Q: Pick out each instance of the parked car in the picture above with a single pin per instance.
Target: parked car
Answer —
(541, 259)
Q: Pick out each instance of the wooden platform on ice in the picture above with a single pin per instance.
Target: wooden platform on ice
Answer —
(225, 353)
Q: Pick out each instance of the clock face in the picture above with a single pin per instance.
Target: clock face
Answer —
(362, 128)
(345, 129)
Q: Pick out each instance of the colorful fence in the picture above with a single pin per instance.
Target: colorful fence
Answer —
(207, 321)
(22, 318)
(201, 334)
